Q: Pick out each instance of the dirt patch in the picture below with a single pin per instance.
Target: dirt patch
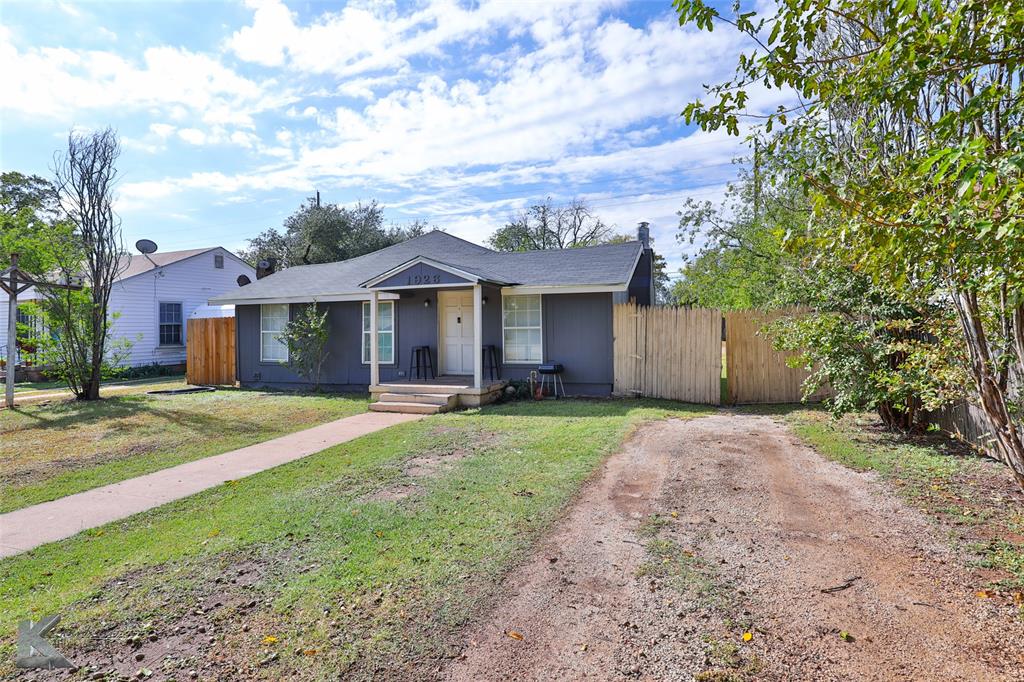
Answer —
(210, 628)
(455, 446)
(722, 548)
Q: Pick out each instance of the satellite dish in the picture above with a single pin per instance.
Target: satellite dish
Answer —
(146, 246)
(243, 280)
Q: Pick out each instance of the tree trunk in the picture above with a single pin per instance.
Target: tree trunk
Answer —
(1009, 446)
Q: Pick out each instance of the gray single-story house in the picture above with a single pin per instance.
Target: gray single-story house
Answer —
(467, 304)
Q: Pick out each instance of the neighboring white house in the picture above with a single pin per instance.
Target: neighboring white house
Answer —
(154, 297)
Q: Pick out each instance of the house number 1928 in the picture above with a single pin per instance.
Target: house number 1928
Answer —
(424, 279)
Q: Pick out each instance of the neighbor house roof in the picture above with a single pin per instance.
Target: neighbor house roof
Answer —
(138, 264)
(609, 265)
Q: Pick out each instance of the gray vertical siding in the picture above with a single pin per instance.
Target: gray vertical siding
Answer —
(577, 333)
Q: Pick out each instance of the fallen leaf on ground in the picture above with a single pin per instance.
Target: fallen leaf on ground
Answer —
(514, 635)
(983, 594)
(675, 515)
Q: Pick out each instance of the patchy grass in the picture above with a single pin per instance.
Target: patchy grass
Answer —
(55, 450)
(728, 662)
(685, 572)
(972, 496)
(298, 571)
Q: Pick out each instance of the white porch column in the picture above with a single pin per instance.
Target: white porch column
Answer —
(374, 352)
(12, 336)
(478, 336)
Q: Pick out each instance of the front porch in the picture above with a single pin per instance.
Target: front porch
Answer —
(433, 395)
(448, 326)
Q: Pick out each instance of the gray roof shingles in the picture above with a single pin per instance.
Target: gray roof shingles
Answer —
(609, 264)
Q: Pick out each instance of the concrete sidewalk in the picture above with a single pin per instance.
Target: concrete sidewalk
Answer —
(30, 527)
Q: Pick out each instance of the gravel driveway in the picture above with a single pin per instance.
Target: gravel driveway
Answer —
(724, 548)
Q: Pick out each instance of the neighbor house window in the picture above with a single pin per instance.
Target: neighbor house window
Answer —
(385, 332)
(218, 262)
(273, 319)
(170, 324)
(521, 328)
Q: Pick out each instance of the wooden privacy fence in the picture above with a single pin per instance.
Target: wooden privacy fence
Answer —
(210, 357)
(673, 353)
(755, 372)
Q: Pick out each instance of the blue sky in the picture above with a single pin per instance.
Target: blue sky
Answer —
(231, 113)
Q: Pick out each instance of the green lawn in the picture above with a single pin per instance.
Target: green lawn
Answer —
(318, 568)
(27, 386)
(50, 451)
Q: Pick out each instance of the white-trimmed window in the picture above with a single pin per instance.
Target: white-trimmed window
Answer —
(273, 319)
(521, 328)
(170, 324)
(385, 332)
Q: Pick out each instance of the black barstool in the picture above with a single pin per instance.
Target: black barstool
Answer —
(420, 361)
(491, 365)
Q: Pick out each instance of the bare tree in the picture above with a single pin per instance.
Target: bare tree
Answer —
(547, 226)
(84, 179)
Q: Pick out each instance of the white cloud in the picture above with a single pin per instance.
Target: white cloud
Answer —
(69, 9)
(162, 130)
(374, 37)
(597, 89)
(192, 135)
(60, 83)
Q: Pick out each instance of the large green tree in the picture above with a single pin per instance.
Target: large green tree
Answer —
(906, 119)
(741, 261)
(327, 233)
(30, 222)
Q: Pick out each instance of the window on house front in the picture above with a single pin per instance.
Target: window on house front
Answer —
(170, 324)
(218, 261)
(521, 328)
(385, 332)
(273, 319)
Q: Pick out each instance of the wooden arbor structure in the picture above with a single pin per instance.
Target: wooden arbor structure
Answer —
(14, 280)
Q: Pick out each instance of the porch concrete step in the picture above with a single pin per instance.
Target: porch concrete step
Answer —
(443, 399)
(406, 408)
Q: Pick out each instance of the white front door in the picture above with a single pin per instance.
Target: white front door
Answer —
(456, 331)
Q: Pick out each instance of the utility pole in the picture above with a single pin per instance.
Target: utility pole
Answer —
(14, 280)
